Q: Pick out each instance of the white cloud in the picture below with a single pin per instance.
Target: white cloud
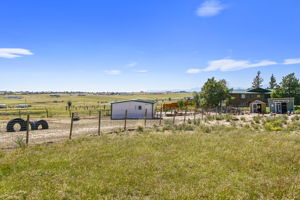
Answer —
(113, 72)
(291, 61)
(13, 52)
(142, 71)
(193, 71)
(132, 64)
(210, 8)
(231, 65)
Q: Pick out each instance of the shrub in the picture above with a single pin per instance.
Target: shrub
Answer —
(140, 129)
(20, 142)
(257, 119)
(184, 127)
(293, 126)
(295, 118)
(273, 126)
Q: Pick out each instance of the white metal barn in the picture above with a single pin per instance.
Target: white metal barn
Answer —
(136, 109)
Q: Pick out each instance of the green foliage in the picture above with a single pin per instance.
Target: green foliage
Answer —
(273, 83)
(289, 87)
(273, 126)
(257, 119)
(69, 104)
(140, 129)
(214, 92)
(257, 81)
(197, 99)
(181, 104)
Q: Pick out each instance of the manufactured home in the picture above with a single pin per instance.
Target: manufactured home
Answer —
(281, 105)
(136, 109)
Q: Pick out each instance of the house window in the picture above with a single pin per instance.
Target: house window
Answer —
(243, 96)
(140, 107)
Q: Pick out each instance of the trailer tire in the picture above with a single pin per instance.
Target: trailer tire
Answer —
(42, 123)
(32, 125)
(13, 122)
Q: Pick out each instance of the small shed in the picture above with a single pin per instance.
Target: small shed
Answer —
(258, 106)
(136, 109)
(281, 105)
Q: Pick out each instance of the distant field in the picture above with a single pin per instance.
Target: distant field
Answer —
(223, 164)
(84, 105)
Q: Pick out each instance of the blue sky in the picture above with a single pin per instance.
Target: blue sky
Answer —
(133, 45)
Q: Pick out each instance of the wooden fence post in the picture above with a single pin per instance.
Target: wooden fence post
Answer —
(174, 117)
(19, 113)
(145, 122)
(125, 122)
(161, 110)
(71, 128)
(184, 116)
(47, 113)
(99, 123)
(27, 129)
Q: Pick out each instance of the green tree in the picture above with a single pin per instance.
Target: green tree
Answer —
(69, 104)
(288, 87)
(181, 104)
(214, 92)
(272, 83)
(257, 81)
(197, 100)
(290, 84)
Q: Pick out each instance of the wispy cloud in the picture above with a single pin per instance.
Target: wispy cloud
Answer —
(210, 8)
(113, 72)
(193, 71)
(291, 61)
(142, 71)
(230, 65)
(132, 64)
(13, 52)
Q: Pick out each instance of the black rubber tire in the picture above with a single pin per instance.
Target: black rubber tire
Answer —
(42, 123)
(32, 125)
(13, 122)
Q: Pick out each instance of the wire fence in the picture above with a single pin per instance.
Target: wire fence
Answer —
(64, 128)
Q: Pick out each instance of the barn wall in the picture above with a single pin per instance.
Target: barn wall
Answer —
(118, 110)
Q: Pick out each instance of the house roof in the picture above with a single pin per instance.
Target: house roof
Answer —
(135, 100)
(257, 102)
(260, 90)
(252, 91)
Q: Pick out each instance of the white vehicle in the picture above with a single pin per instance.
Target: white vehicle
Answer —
(3, 106)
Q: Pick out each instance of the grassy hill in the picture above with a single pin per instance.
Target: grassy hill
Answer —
(222, 164)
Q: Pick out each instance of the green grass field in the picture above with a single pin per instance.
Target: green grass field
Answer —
(223, 164)
(84, 105)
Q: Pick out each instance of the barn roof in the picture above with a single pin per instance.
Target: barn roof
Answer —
(135, 100)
